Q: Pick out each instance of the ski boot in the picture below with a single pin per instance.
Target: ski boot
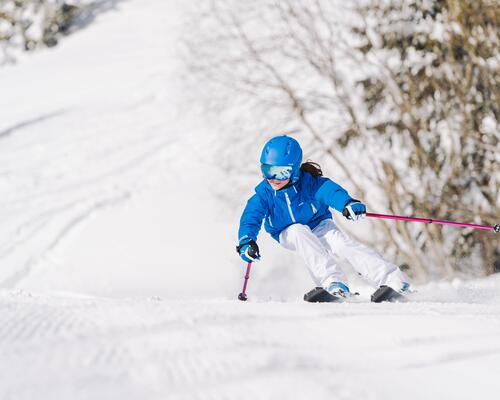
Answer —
(338, 289)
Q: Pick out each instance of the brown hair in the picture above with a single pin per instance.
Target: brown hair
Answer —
(311, 167)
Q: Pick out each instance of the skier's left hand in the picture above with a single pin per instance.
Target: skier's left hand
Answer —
(354, 210)
(249, 251)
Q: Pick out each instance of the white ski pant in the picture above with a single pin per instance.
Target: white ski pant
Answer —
(318, 247)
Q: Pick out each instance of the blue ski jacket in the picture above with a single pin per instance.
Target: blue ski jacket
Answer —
(307, 202)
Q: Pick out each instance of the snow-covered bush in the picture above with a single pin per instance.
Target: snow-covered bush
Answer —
(435, 100)
(398, 99)
(28, 24)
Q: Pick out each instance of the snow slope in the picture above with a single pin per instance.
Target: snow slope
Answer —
(97, 348)
(92, 125)
(118, 275)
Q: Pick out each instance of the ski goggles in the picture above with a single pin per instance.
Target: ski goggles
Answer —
(280, 173)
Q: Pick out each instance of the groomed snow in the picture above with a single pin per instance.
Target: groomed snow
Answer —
(60, 346)
(118, 276)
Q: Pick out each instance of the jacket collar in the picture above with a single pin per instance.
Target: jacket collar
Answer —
(290, 189)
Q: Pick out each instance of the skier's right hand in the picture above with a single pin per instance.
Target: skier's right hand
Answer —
(248, 251)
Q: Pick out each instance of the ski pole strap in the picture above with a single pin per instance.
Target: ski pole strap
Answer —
(495, 228)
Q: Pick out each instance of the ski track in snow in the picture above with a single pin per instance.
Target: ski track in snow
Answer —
(60, 165)
(57, 201)
(86, 347)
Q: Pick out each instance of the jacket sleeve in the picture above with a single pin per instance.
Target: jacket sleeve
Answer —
(332, 194)
(251, 219)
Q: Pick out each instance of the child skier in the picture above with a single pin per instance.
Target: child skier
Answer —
(294, 200)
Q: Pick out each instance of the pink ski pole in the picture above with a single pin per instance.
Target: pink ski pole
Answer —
(495, 228)
(243, 296)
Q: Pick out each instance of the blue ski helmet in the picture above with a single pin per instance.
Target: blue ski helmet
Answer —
(282, 151)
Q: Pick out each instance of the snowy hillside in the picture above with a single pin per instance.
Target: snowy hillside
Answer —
(92, 125)
(118, 276)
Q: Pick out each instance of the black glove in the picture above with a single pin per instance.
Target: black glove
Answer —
(248, 251)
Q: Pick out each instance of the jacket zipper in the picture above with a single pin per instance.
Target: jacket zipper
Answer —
(289, 204)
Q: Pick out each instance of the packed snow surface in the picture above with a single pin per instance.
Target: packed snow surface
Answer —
(118, 276)
(66, 347)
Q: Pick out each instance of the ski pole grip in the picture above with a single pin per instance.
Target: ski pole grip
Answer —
(496, 228)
